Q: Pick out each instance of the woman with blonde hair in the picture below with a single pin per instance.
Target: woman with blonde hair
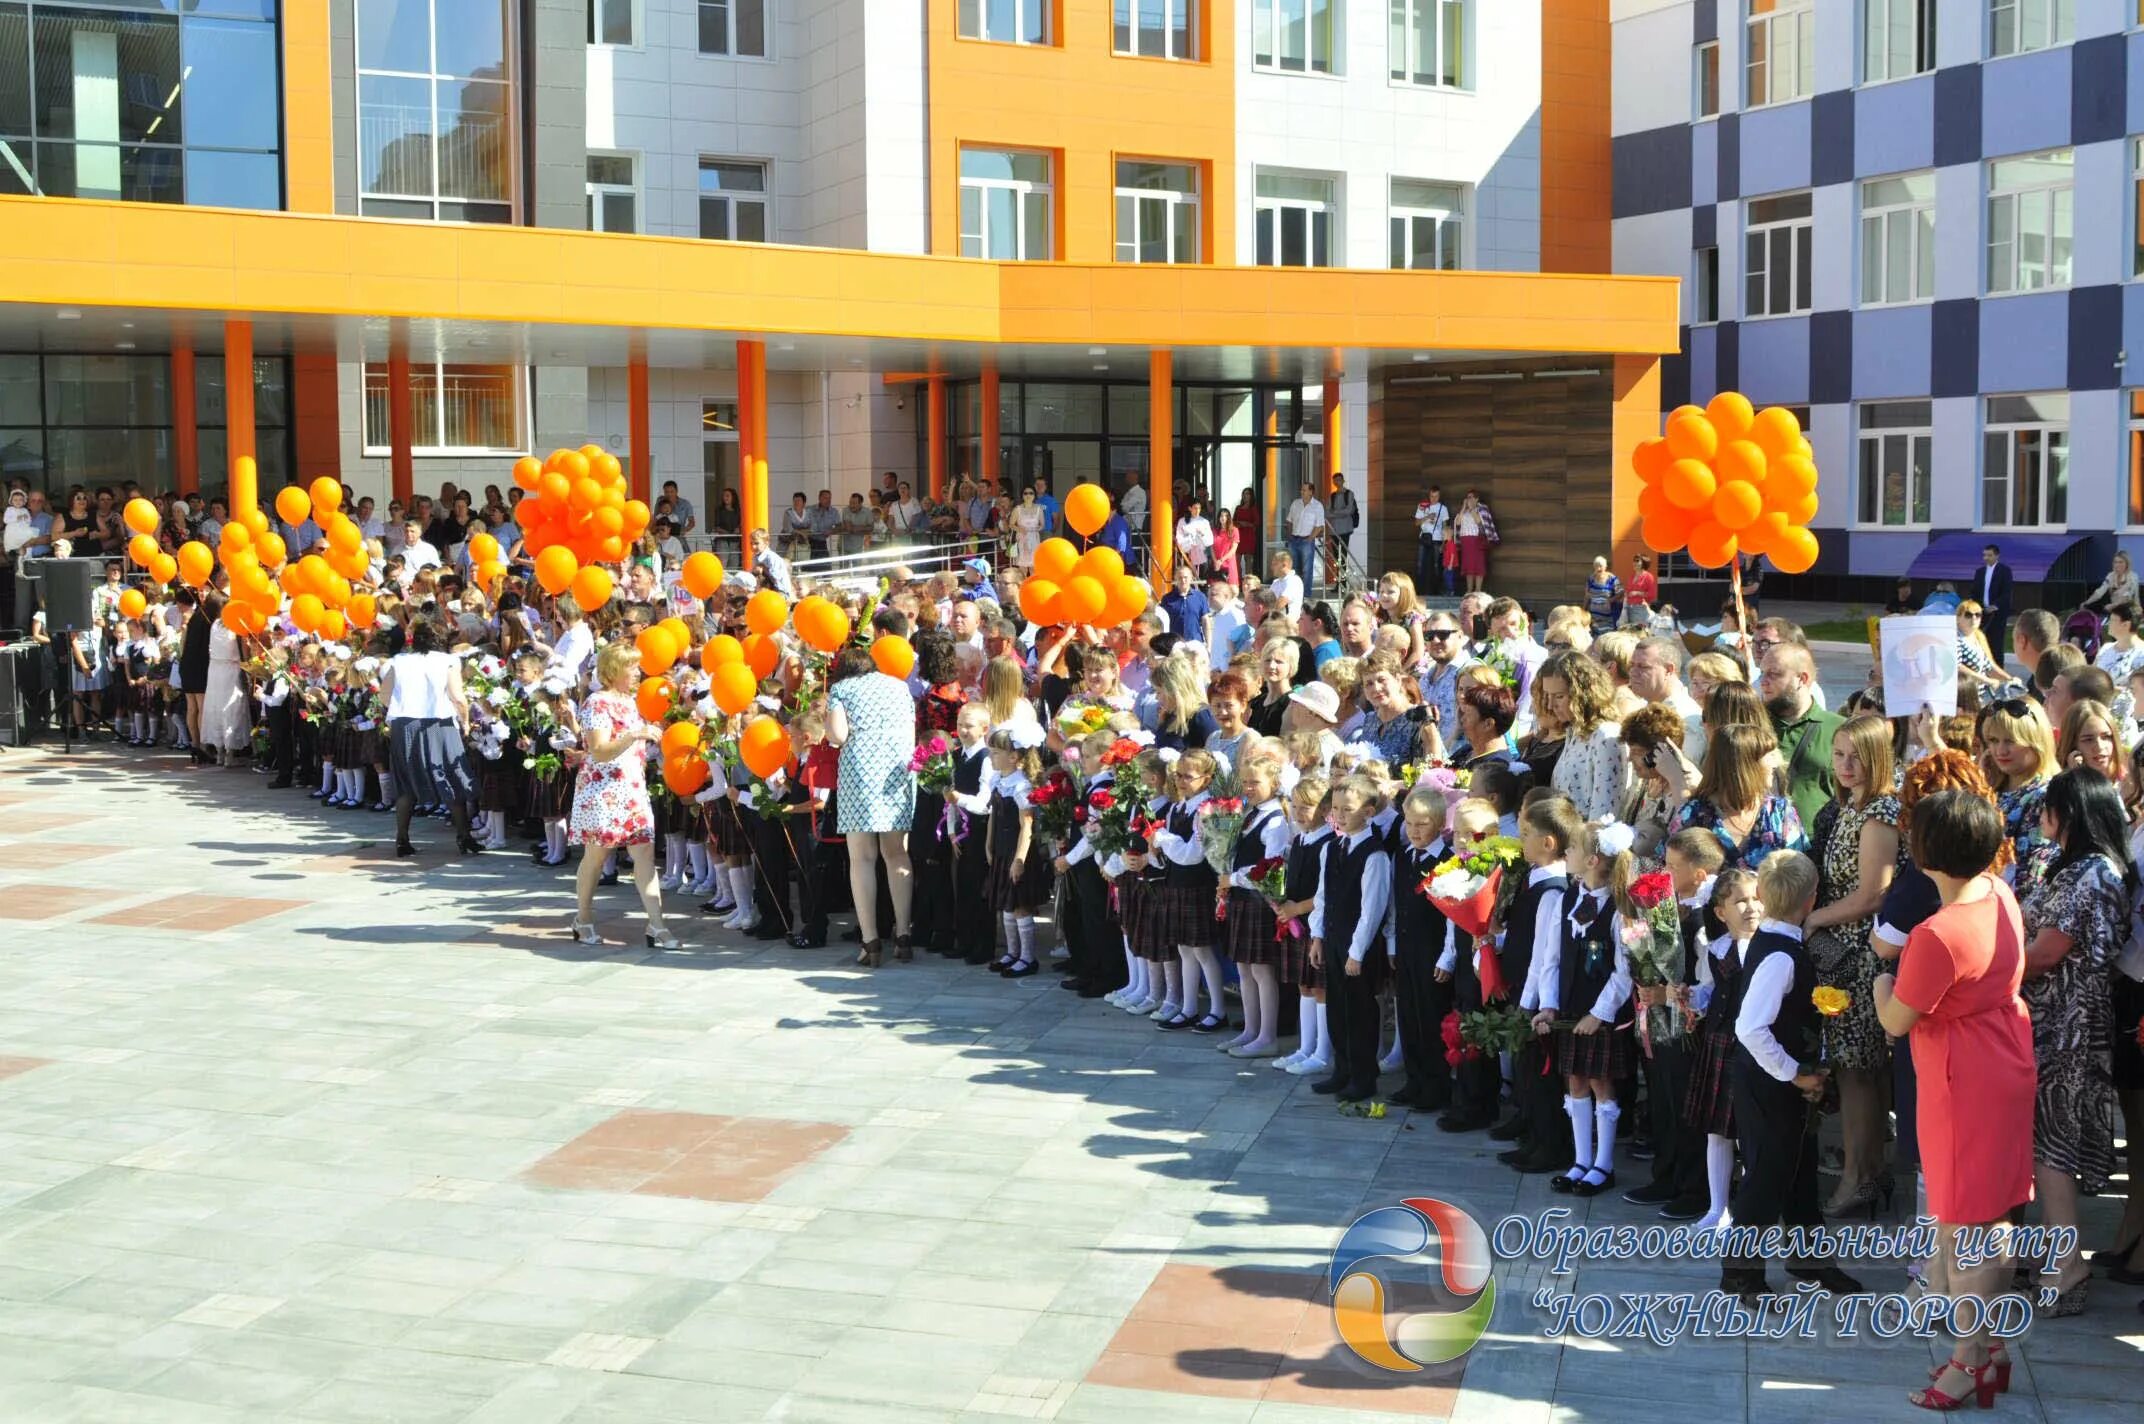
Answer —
(1185, 722)
(1710, 670)
(2019, 759)
(2091, 736)
(1005, 694)
(1978, 666)
(1857, 850)
(1398, 604)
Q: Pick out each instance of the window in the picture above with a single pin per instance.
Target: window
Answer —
(2030, 202)
(1707, 294)
(2136, 204)
(453, 409)
(733, 200)
(1157, 212)
(613, 195)
(1295, 221)
(1780, 54)
(109, 102)
(1006, 21)
(1898, 39)
(610, 22)
(1428, 220)
(2025, 469)
(1158, 29)
(1776, 256)
(2021, 26)
(718, 453)
(1897, 453)
(1898, 239)
(734, 27)
(1005, 205)
(1707, 83)
(2136, 459)
(1295, 36)
(1428, 42)
(436, 126)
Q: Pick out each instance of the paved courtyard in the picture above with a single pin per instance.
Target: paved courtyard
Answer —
(290, 1130)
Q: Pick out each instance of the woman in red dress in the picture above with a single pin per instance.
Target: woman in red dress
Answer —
(1956, 994)
(1246, 522)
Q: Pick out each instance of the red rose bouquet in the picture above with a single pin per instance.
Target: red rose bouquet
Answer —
(1652, 939)
(1056, 803)
(932, 763)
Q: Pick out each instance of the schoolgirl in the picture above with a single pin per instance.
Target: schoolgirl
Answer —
(1139, 892)
(554, 730)
(277, 695)
(1716, 998)
(729, 845)
(1526, 953)
(1589, 993)
(1248, 932)
(1019, 869)
(1089, 930)
(1677, 1187)
(1188, 893)
(1309, 814)
(1347, 937)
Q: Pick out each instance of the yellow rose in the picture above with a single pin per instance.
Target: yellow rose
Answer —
(1831, 1002)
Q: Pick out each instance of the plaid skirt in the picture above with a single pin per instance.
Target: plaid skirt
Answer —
(725, 827)
(499, 782)
(1295, 965)
(1185, 916)
(1709, 1106)
(1139, 900)
(678, 815)
(1607, 1054)
(1247, 935)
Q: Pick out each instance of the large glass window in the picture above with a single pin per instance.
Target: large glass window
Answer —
(453, 409)
(435, 109)
(733, 200)
(271, 422)
(1005, 204)
(734, 27)
(1898, 239)
(610, 22)
(1006, 21)
(2020, 26)
(1428, 225)
(1157, 212)
(1898, 38)
(1295, 220)
(1428, 42)
(2025, 468)
(613, 194)
(1294, 36)
(1705, 84)
(107, 101)
(1158, 29)
(1897, 457)
(1779, 56)
(1777, 241)
(2030, 219)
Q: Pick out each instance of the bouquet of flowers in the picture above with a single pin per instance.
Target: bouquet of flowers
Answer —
(932, 763)
(1055, 802)
(1109, 821)
(544, 764)
(1270, 878)
(1123, 751)
(1463, 886)
(1457, 1050)
(1078, 723)
(1498, 1028)
(1220, 824)
(1653, 940)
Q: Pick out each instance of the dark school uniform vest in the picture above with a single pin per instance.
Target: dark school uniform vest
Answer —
(1306, 864)
(968, 771)
(1343, 872)
(1700, 927)
(1184, 822)
(1251, 845)
(1158, 810)
(1588, 959)
(1418, 927)
(1519, 927)
(1795, 1026)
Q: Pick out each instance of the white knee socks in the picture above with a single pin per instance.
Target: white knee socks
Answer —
(1580, 1111)
(1009, 926)
(387, 788)
(697, 873)
(1024, 927)
(1605, 1117)
(327, 768)
(1719, 1176)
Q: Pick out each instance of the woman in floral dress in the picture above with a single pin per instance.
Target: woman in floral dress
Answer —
(1027, 528)
(1857, 855)
(2076, 924)
(1733, 799)
(611, 810)
(2019, 759)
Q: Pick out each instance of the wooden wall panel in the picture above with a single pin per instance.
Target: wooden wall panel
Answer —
(1539, 450)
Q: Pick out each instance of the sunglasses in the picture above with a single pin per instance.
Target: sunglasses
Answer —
(2013, 707)
(1438, 635)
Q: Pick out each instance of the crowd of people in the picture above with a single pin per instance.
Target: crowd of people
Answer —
(1246, 784)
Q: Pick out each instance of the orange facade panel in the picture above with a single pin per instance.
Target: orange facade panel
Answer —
(1576, 154)
(308, 115)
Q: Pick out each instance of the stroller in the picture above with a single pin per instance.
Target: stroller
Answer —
(2085, 628)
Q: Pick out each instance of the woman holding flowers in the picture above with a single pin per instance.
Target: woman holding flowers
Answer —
(1857, 854)
(1956, 996)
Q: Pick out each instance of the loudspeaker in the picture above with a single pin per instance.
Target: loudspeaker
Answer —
(63, 588)
(14, 725)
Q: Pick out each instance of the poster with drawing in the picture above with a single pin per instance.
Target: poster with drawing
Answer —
(1920, 664)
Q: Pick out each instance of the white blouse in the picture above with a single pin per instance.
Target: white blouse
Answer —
(1592, 772)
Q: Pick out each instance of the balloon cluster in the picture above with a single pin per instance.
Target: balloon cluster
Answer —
(580, 515)
(1728, 478)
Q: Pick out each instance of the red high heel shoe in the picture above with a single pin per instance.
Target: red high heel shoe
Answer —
(1998, 1361)
(1983, 1394)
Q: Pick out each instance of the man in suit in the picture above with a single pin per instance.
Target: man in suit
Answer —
(1993, 588)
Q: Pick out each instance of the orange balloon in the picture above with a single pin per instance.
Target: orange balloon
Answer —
(734, 687)
(762, 654)
(141, 549)
(306, 610)
(658, 651)
(317, 572)
(1740, 460)
(1101, 563)
(636, 517)
(364, 610)
(1775, 430)
(680, 737)
(1731, 414)
(766, 611)
(894, 654)
(293, 580)
(1083, 600)
(592, 587)
(255, 520)
(1801, 509)
(585, 494)
(528, 513)
(1038, 601)
(1650, 460)
(270, 548)
(196, 563)
(491, 573)
(680, 633)
(141, 516)
(720, 649)
(1711, 547)
(555, 568)
(764, 746)
(528, 470)
(1689, 484)
(327, 495)
(291, 505)
(1652, 500)
(702, 573)
(132, 604)
(553, 489)
(607, 522)
(1736, 505)
(821, 623)
(1795, 553)
(1128, 598)
(483, 549)
(343, 534)
(236, 536)
(1055, 560)
(1666, 531)
(685, 775)
(1087, 508)
(574, 466)
(333, 626)
(337, 593)
(1764, 534)
(163, 568)
(611, 550)
(234, 617)
(1791, 476)
(1679, 412)
(654, 697)
(1691, 437)
(606, 467)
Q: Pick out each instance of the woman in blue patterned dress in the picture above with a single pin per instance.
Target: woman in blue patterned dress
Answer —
(2019, 758)
(871, 718)
(1734, 799)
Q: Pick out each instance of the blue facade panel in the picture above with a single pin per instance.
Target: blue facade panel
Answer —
(1775, 360)
(1892, 352)
(2024, 342)
(2025, 103)
(1895, 127)
(1775, 149)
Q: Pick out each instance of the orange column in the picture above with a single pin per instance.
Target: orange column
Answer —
(401, 462)
(934, 434)
(1161, 461)
(1636, 419)
(244, 486)
(1577, 153)
(1335, 437)
(636, 399)
(752, 434)
(185, 434)
(308, 111)
(991, 434)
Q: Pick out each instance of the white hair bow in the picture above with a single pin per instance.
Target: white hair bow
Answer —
(1142, 737)
(1222, 765)
(1614, 839)
(1363, 751)
(1519, 768)
(1026, 736)
(1168, 756)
